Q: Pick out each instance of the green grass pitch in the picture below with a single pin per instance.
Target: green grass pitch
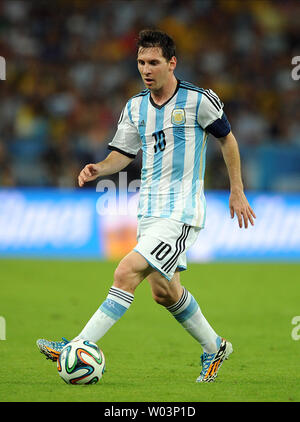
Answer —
(149, 356)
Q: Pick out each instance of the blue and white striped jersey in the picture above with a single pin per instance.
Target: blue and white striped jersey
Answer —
(173, 139)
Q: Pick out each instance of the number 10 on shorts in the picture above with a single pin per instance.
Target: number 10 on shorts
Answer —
(161, 251)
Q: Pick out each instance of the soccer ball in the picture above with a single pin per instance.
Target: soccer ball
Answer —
(81, 362)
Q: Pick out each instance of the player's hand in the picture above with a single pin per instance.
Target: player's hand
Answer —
(88, 173)
(239, 205)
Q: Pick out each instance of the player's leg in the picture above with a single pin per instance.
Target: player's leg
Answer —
(164, 245)
(165, 292)
(130, 272)
(183, 306)
(185, 309)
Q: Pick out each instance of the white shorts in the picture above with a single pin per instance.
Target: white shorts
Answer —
(163, 243)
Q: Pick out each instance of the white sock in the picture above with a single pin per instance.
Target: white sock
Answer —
(188, 313)
(111, 310)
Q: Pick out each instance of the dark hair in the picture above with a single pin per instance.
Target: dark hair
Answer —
(155, 38)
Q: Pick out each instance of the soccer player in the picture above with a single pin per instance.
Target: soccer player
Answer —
(170, 122)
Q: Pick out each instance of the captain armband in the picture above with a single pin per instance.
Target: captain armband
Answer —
(220, 127)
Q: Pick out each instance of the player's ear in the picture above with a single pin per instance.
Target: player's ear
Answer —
(172, 63)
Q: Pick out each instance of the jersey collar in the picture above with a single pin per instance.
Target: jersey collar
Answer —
(166, 102)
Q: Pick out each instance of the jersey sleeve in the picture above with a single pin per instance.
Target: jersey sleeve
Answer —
(127, 140)
(211, 116)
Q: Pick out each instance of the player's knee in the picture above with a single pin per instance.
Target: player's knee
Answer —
(121, 276)
(125, 278)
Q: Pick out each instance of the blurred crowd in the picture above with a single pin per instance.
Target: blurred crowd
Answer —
(71, 67)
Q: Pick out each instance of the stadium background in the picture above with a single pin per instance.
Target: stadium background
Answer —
(71, 66)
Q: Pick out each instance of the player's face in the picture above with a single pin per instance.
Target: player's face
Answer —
(154, 68)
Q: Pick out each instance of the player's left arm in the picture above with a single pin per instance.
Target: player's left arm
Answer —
(212, 118)
(238, 202)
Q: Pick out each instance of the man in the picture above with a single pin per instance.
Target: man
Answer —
(170, 121)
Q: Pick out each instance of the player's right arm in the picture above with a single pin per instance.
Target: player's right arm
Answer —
(125, 146)
(113, 163)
